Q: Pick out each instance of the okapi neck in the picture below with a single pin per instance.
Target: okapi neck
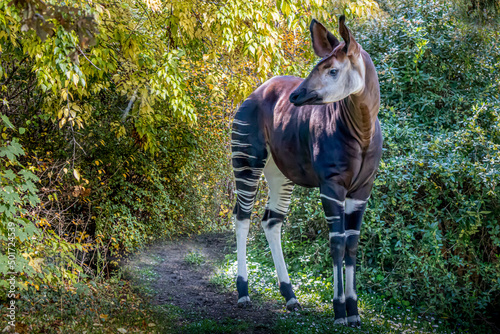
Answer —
(361, 109)
(361, 112)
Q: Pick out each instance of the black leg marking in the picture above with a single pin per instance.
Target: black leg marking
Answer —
(242, 287)
(339, 308)
(272, 218)
(291, 301)
(287, 291)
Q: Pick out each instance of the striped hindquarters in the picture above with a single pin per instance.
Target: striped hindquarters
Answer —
(249, 155)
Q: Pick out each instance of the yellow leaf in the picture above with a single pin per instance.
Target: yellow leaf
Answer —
(64, 94)
(76, 174)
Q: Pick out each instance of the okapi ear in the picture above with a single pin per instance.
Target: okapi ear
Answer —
(351, 47)
(323, 41)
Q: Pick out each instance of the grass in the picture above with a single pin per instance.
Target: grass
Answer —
(209, 326)
(379, 314)
(194, 258)
(96, 307)
(319, 320)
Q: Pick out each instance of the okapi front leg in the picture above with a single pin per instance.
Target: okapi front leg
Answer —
(354, 210)
(333, 204)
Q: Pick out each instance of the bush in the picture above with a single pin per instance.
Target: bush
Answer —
(30, 253)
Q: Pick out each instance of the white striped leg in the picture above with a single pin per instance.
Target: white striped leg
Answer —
(242, 227)
(280, 190)
(354, 210)
(332, 199)
(249, 158)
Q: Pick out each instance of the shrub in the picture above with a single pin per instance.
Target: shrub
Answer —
(30, 253)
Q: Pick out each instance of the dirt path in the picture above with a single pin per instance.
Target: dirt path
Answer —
(171, 279)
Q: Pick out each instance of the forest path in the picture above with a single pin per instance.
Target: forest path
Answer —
(187, 295)
(179, 273)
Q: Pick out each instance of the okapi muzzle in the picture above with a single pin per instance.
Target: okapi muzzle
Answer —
(302, 96)
(290, 130)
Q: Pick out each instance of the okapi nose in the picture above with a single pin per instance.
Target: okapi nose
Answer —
(296, 95)
(302, 96)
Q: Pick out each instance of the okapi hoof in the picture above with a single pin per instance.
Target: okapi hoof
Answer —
(340, 321)
(354, 321)
(293, 305)
(244, 302)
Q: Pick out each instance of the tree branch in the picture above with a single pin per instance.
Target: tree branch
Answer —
(129, 107)
(83, 54)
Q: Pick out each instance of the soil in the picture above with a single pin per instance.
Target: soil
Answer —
(187, 286)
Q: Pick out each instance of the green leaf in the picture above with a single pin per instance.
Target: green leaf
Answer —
(7, 122)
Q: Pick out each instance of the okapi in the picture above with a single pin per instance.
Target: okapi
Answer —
(319, 132)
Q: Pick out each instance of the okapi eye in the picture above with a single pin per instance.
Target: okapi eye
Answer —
(333, 72)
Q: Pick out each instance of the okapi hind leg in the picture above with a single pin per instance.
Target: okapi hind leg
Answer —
(246, 191)
(242, 227)
(249, 156)
(280, 190)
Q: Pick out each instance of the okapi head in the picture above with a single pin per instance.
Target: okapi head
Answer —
(339, 74)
